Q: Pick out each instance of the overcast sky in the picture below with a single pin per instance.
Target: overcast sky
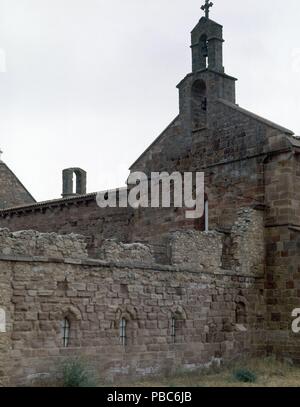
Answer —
(91, 83)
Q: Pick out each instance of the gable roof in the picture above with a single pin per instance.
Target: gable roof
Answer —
(12, 191)
(256, 117)
(154, 142)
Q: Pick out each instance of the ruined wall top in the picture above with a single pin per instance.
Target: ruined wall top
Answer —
(241, 251)
(30, 243)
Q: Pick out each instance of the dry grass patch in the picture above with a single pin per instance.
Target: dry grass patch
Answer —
(266, 372)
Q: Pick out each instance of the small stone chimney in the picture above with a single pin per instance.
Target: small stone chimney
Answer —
(70, 187)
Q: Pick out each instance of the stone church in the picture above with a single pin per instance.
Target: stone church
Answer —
(146, 291)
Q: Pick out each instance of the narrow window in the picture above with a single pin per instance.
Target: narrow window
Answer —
(123, 331)
(173, 330)
(74, 183)
(203, 45)
(241, 317)
(66, 332)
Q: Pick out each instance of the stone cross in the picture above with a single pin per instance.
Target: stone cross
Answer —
(206, 7)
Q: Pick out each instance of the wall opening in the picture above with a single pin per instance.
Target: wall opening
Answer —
(241, 313)
(203, 50)
(122, 331)
(126, 326)
(66, 332)
(68, 327)
(74, 182)
(177, 328)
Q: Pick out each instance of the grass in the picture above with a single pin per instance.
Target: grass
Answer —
(75, 374)
(244, 376)
(266, 372)
(72, 372)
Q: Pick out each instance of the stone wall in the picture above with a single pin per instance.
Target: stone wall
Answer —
(171, 145)
(282, 290)
(94, 298)
(30, 243)
(6, 306)
(83, 216)
(244, 249)
(199, 251)
(78, 215)
(241, 249)
(240, 154)
(121, 252)
(95, 294)
(237, 153)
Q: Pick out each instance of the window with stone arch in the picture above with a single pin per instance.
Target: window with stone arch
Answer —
(2, 320)
(69, 327)
(198, 104)
(203, 50)
(74, 182)
(126, 327)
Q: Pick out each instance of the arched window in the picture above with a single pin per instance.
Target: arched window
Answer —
(199, 104)
(68, 327)
(2, 320)
(203, 51)
(126, 326)
(66, 330)
(177, 328)
(74, 182)
(122, 328)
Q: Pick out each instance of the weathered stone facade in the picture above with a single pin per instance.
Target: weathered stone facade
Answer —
(51, 277)
(230, 290)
